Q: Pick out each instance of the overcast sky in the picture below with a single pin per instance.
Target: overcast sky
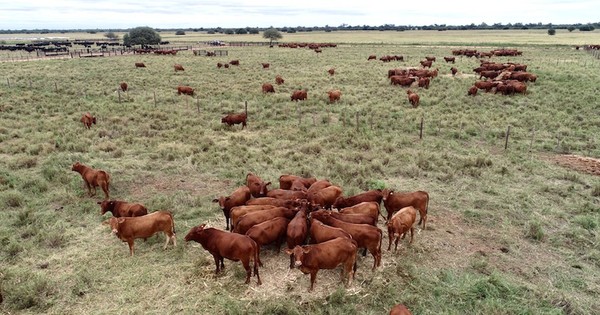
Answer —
(106, 14)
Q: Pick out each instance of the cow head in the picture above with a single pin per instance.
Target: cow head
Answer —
(298, 252)
(194, 233)
(387, 193)
(76, 166)
(221, 200)
(114, 224)
(106, 205)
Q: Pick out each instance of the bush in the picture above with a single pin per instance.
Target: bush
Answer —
(551, 31)
(180, 32)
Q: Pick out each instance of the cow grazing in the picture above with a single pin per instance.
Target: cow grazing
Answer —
(122, 209)
(432, 59)
(265, 65)
(270, 231)
(394, 201)
(185, 90)
(326, 255)
(258, 188)
(297, 231)
(400, 309)
(413, 98)
(371, 195)
(226, 66)
(372, 57)
(449, 59)
(485, 85)
(178, 67)
(325, 197)
(129, 228)
(331, 71)
(253, 218)
(93, 178)
(424, 83)
(221, 244)
(426, 63)
(234, 119)
(401, 222)
(87, 119)
(334, 95)
(140, 65)
(320, 232)
(279, 80)
(299, 95)
(454, 71)
(123, 86)
(286, 181)
(234, 62)
(239, 197)
(472, 90)
(268, 88)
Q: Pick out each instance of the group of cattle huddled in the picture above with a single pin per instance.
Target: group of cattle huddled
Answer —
(300, 212)
(506, 78)
(489, 54)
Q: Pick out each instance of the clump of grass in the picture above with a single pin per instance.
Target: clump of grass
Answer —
(27, 290)
(535, 231)
(12, 199)
(596, 190)
(24, 162)
(588, 222)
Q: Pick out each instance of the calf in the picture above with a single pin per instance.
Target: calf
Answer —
(297, 231)
(268, 88)
(123, 86)
(122, 208)
(334, 95)
(93, 178)
(326, 255)
(221, 244)
(238, 198)
(285, 181)
(185, 90)
(140, 65)
(178, 67)
(299, 95)
(400, 224)
(87, 119)
(128, 229)
(394, 201)
(258, 188)
(270, 231)
(279, 80)
(371, 195)
(234, 119)
(413, 98)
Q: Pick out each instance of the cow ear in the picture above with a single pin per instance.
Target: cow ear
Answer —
(267, 184)
(289, 251)
(305, 249)
(120, 220)
(99, 202)
(227, 198)
(215, 200)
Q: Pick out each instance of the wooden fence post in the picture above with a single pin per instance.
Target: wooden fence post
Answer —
(421, 129)
(154, 98)
(55, 87)
(357, 123)
(506, 140)
(198, 103)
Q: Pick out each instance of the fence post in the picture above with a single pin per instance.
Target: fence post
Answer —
(506, 140)
(356, 121)
(55, 86)
(198, 103)
(421, 129)
(119, 92)
(8, 82)
(154, 98)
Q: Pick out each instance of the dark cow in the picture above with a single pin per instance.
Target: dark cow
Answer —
(426, 63)
(299, 95)
(454, 71)
(326, 255)
(140, 65)
(372, 57)
(450, 59)
(279, 80)
(93, 178)
(472, 90)
(237, 198)
(268, 88)
(221, 244)
(234, 62)
(413, 98)
(394, 201)
(424, 83)
(123, 86)
(334, 95)
(265, 65)
(285, 181)
(490, 74)
(270, 231)
(485, 85)
(178, 67)
(258, 188)
(87, 119)
(185, 90)
(331, 71)
(226, 66)
(129, 228)
(234, 119)
(122, 209)
(219, 65)
(432, 59)
(401, 80)
(297, 232)
(371, 195)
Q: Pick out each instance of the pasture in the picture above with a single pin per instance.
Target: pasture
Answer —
(508, 231)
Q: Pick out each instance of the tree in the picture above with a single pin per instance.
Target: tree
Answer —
(111, 36)
(272, 34)
(571, 28)
(180, 32)
(142, 35)
(551, 31)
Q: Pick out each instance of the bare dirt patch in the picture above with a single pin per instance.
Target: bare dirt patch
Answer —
(577, 162)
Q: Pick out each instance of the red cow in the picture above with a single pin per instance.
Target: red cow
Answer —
(320, 232)
(297, 231)
(400, 309)
(485, 85)
(325, 197)
(370, 208)
(265, 65)
(178, 67)
(286, 194)
(331, 71)
(371, 195)
(424, 82)
(87, 119)
(253, 218)
(226, 66)
(185, 90)
(237, 198)
(140, 65)
(285, 181)
(299, 95)
(298, 185)
(413, 98)
(472, 90)
(432, 59)
(93, 178)
(334, 95)
(122, 209)
(123, 86)
(234, 119)
(450, 59)
(258, 188)
(401, 80)
(268, 88)
(129, 228)
(270, 231)
(219, 65)
(221, 244)
(394, 201)
(454, 71)
(401, 222)
(350, 218)
(279, 80)
(326, 255)
(270, 201)
(372, 57)
(318, 185)
(237, 212)
(234, 62)
(426, 63)
(490, 74)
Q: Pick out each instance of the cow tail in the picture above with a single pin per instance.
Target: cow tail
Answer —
(380, 239)
(426, 208)
(172, 223)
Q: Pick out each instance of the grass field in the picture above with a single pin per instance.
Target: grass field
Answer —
(509, 231)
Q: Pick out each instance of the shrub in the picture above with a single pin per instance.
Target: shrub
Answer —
(180, 32)
(551, 31)
(535, 231)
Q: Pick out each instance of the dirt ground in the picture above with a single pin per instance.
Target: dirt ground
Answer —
(580, 163)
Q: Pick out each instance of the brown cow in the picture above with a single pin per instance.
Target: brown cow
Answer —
(270, 201)
(286, 194)
(394, 201)
(268, 88)
(178, 67)
(318, 185)
(485, 85)
(426, 63)
(265, 65)
(258, 188)
(400, 309)
(413, 98)
(320, 232)
(297, 231)
(279, 80)
(401, 222)
(298, 185)
(299, 95)
(226, 66)
(221, 244)
(219, 65)
(334, 95)
(129, 228)
(401, 80)
(350, 218)
(371, 195)
(424, 82)
(490, 74)
(325, 197)
(432, 59)
(331, 71)
(237, 212)
(237, 198)
(185, 90)
(370, 208)
(140, 65)
(285, 181)
(233, 119)
(372, 57)
(93, 178)
(253, 218)
(366, 236)
(454, 71)
(472, 90)
(123, 86)
(122, 209)
(449, 59)
(234, 62)
(326, 255)
(87, 119)
(270, 231)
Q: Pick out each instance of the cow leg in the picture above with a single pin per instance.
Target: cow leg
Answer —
(217, 259)
(397, 239)
(364, 253)
(167, 242)
(130, 243)
(391, 238)
(89, 188)
(313, 278)
(258, 256)
(412, 231)
(246, 263)
(105, 189)
(222, 263)
(291, 261)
